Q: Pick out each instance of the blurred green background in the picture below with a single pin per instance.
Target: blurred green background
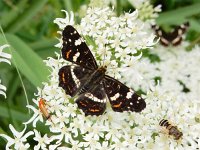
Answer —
(29, 29)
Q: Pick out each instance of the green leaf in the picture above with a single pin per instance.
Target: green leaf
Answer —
(26, 60)
(15, 114)
(194, 25)
(22, 19)
(178, 15)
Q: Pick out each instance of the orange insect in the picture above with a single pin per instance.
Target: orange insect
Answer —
(43, 109)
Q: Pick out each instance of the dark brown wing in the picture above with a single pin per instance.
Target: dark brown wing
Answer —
(164, 37)
(75, 49)
(177, 34)
(71, 78)
(121, 97)
(93, 102)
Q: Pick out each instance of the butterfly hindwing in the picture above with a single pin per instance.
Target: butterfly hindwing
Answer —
(75, 49)
(121, 97)
(177, 34)
(164, 40)
(93, 102)
(71, 78)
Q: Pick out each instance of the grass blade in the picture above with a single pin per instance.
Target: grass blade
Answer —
(28, 62)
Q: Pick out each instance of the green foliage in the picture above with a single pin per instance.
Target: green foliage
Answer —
(26, 60)
(152, 57)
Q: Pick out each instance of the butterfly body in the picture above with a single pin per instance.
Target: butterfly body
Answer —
(171, 38)
(89, 83)
(95, 78)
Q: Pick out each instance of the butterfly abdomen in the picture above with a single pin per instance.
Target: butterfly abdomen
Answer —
(172, 130)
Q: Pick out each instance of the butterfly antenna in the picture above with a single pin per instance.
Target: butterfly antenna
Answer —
(15, 64)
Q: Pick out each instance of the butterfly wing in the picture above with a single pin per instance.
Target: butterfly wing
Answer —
(75, 49)
(164, 37)
(177, 35)
(71, 78)
(121, 97)
(93, 102)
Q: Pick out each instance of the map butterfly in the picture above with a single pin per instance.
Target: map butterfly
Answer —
(89, 83)
(174, 37)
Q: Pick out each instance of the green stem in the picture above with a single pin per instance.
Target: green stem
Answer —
(119, 7)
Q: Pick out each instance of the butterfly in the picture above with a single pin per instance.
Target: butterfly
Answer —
(174, 37)
(89, 83)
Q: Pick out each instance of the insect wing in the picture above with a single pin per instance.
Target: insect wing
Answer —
(75, 49)
(71, 78)
(164, 37)
(121, 97)
(177, 34)
(94, 102)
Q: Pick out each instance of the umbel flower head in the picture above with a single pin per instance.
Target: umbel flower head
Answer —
(114, 41)
(146, 10)
(20, 139)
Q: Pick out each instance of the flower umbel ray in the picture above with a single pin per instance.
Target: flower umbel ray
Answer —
(19, 140)
(4, 57)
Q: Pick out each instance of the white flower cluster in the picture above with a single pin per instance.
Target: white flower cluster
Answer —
(146, 10)
(20, 139)
(4, 57)
(114, 41)
(177, 94)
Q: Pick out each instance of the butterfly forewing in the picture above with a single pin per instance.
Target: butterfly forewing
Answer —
(93, 102)
(71, 78)
(75, 49)
(121, 97)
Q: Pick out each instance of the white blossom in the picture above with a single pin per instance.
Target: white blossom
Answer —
(4, 57)
(42, 141)
(146, 10)
(19, 141)
(2, 90)
(62, 22)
